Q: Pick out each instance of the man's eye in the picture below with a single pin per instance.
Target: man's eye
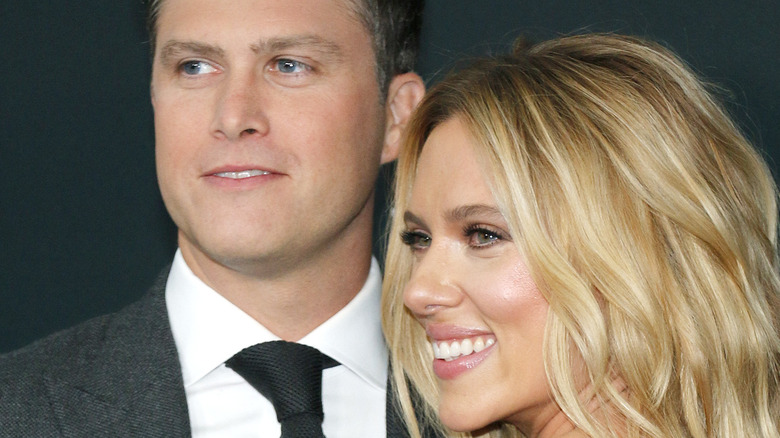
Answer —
(290, 66)
(194, 68)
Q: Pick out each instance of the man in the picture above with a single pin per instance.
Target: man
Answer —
(272, 118)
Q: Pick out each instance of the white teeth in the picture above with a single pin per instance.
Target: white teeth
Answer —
(455, 349)
(242, 174)
(466, 347)
(444, 350)
(452, 350)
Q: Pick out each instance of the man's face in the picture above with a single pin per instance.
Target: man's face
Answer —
(269, 129)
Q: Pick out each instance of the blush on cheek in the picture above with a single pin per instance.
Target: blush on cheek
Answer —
(516, 294)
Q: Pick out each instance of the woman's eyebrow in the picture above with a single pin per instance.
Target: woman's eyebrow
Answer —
(413, 218)
(460, 213)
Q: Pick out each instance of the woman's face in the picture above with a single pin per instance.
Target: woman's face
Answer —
(472, 292)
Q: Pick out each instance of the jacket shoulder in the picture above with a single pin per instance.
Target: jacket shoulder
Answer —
(108, 372)
(24, 397)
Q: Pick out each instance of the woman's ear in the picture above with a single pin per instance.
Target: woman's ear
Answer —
(404, 93)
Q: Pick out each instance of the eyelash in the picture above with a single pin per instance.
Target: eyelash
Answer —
(299, 64)
(181, 68)
(471, 231)
(413, 238)
(275, 66)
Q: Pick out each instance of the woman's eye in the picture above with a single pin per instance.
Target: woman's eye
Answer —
(482, 237)
(416, 239)
(290, 66)
(485, 237)
(194, 68)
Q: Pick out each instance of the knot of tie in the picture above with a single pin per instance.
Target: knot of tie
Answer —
(290, 376)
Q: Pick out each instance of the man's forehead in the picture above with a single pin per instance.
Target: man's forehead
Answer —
(356, 10)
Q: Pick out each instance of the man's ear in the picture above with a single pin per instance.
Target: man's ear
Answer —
(405, 92)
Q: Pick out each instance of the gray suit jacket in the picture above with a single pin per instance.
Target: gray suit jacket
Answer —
(117, 375)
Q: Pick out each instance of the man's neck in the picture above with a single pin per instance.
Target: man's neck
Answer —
(295, 303)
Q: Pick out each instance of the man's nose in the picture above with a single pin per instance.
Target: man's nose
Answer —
(241, 108)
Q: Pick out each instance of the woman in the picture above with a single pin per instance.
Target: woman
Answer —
(583, 244)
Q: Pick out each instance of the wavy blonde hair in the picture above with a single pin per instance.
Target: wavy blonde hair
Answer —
(649, 224)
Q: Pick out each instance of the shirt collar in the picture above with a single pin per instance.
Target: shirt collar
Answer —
(208, 329)
(353, 336)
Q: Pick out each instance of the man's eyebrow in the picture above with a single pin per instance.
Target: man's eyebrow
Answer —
(314, 42)
(173, 48)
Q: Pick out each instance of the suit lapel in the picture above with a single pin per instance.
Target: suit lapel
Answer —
(126, 380)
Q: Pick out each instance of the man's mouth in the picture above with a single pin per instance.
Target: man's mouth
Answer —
(242, 174)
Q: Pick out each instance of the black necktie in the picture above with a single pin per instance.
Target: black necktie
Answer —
(290, 376)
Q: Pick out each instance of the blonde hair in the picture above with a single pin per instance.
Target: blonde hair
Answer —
(649, 224)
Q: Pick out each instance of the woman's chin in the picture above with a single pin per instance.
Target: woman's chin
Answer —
(460, 421)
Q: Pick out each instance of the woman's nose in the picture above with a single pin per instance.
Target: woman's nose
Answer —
(433, 285)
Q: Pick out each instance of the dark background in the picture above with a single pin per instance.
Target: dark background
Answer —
(82, 228)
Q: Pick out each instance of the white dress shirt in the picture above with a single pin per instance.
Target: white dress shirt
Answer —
(208, 330)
